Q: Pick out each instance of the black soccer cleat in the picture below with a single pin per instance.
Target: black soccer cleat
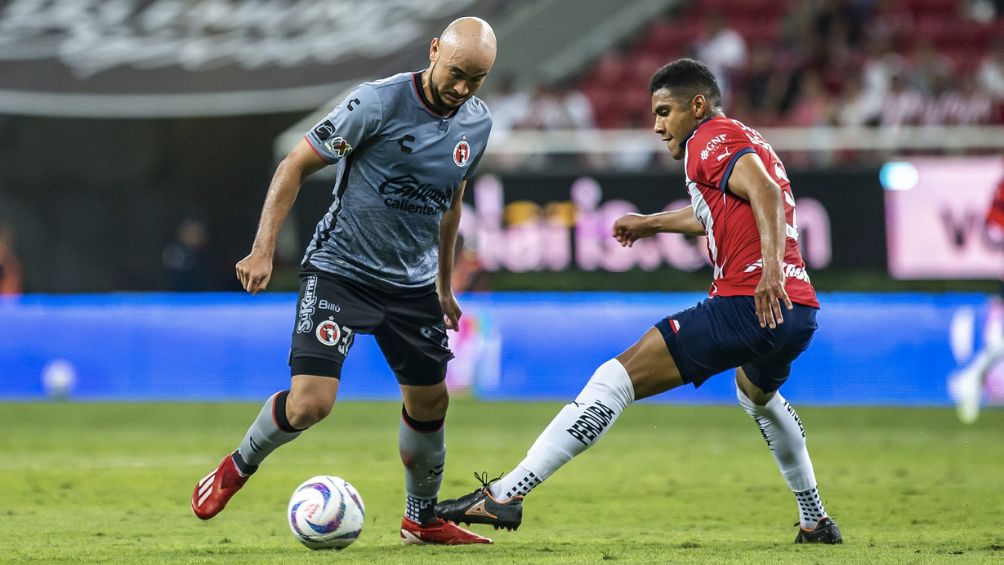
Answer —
(480, 507)
(826, 531)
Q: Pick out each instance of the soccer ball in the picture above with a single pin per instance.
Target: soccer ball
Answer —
(326, 513)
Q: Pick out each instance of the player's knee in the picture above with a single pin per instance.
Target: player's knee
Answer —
(431, 407)
(305, 412)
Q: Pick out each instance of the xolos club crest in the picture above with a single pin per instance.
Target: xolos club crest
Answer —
(462, 153)
(328, 333)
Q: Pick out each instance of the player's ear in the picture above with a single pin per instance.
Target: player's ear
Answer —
(700, 106)
(434, 50)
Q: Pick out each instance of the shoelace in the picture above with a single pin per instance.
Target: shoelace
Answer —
(483, 479)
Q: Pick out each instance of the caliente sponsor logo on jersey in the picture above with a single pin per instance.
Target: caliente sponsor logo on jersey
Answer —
(406, 193)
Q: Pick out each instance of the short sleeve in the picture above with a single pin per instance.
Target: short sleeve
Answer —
(472, 170)
(715, 151)
(347, 126)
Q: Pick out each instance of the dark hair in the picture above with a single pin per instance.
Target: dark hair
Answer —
(687, 78)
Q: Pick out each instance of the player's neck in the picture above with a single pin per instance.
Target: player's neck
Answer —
(430, 98)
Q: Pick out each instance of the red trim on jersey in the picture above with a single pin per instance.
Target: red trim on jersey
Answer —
(420, 92)
(314, 149)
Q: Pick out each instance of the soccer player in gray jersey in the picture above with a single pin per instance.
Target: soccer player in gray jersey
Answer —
(380, 262)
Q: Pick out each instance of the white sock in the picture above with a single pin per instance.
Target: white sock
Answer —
(576, 428)
(987, 358)
(785, 436)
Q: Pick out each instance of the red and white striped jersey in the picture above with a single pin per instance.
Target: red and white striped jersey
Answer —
(733, 238)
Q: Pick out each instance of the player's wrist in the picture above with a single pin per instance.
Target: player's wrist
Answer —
(263, 251)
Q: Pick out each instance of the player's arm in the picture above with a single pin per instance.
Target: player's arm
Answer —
(632, 227)
(751, 182)
(448, 227)
(255, 270)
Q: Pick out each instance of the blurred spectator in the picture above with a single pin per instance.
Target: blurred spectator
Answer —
(991, 70)
(941, 103)
(880, 65)
(856, 106)
(890, 20)
(577, 106)
(928, 66)
(558, 107)
(814, 106)
(185, 259)
(849, 52)
(11, 277)
(723, 50)
(903, 104)
(509, 107)
(975, 105)
(762, 86)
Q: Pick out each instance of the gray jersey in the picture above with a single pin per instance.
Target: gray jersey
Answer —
(399, 165)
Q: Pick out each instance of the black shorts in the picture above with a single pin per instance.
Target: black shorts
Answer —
(408, 327)
(722, 333)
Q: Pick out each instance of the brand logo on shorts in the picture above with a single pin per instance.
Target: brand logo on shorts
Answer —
(328, 333)
(435, 333)
(462, 153)
(304, 323)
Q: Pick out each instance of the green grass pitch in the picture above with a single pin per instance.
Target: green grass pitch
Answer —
(83, 482)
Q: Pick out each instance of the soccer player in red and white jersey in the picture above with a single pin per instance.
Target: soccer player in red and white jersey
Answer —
(759, 316)
(966, 386)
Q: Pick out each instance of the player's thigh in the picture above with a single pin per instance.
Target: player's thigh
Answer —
(771, 370)
(650, 366)
(716, 335)
(426, 403)
(413, 339)
(329, 313)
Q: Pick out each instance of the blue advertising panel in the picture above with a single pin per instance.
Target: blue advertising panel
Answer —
(883, 349)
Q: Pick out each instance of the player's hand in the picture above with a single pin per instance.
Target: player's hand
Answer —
(451, 310)
(769, 295)
(629, 228)
(254, 271)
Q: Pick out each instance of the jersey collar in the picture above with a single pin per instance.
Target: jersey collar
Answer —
(683, 143)
(416, 80)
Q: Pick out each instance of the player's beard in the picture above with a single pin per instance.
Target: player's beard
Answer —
(437, 100)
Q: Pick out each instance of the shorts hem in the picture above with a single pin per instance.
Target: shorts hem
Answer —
(315, 366)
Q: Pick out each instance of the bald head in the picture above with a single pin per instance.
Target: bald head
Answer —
(473, 36)
(460, 59)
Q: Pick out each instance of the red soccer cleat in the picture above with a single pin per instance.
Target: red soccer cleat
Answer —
(215, 489)
(440, 531)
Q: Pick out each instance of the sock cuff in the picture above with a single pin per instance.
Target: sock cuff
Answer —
(433, 426)
(242, 466)
(747, 402)
(616, 378)
(279, 413)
